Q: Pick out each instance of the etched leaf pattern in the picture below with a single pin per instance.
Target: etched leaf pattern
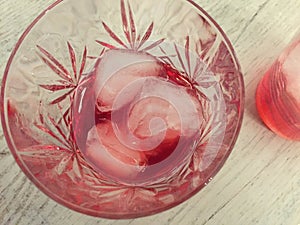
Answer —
(59, 131)
(134, 40)
(69, 78)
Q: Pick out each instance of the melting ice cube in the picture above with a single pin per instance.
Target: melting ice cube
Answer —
(119, 68)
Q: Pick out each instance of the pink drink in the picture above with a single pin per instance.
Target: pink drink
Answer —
(278, 94)
(136, 119)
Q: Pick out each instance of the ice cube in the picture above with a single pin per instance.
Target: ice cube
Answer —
(110, 156)
(117, 69)
(151, 116)
(181, 109)
(160, 106)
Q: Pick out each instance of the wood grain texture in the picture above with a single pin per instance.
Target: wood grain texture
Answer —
(260, 182)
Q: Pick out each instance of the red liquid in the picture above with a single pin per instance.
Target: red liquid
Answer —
(141, 125)
(277, 107)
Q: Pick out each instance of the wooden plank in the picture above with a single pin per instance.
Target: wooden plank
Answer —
(260, 182)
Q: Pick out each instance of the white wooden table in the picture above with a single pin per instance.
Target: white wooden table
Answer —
(260, 182)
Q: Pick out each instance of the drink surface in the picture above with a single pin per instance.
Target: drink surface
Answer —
(136, 119)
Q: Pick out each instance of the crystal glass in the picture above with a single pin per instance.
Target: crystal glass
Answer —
(278, 96)
(122, 108)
